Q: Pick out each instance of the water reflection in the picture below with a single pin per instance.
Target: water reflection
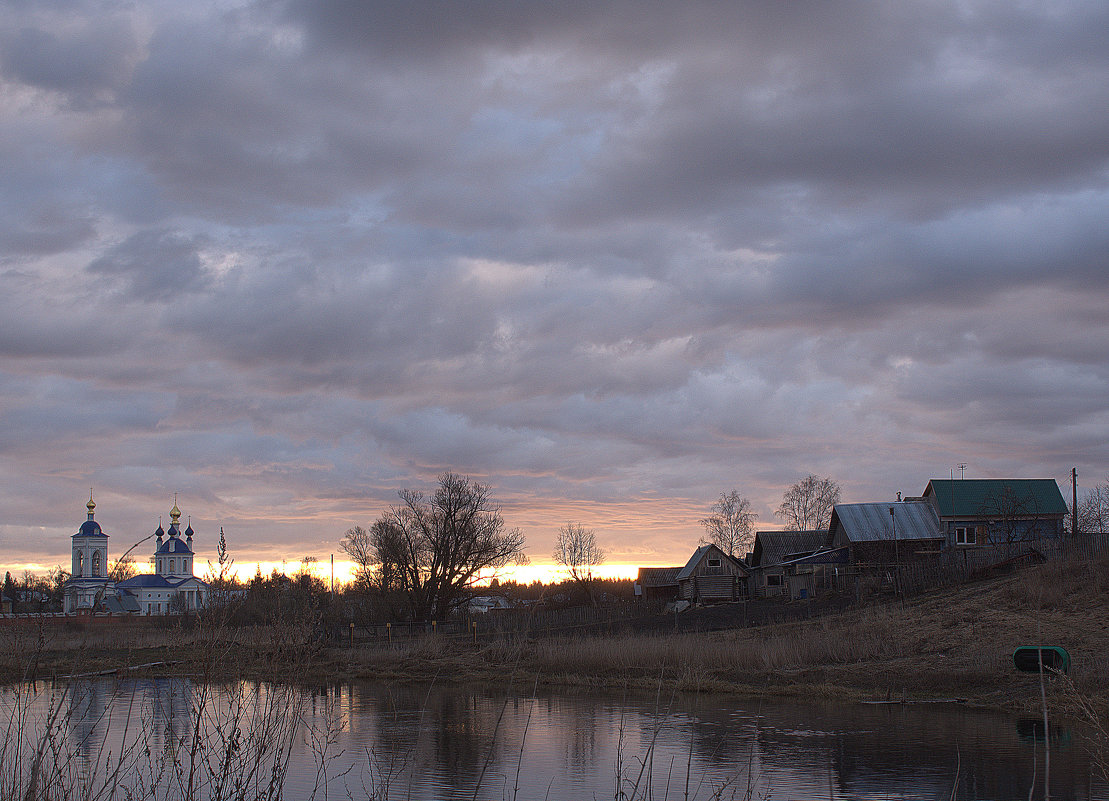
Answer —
(370, 740)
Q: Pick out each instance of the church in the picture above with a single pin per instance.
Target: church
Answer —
(171, 588)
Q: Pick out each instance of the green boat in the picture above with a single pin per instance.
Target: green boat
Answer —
(1055, 658)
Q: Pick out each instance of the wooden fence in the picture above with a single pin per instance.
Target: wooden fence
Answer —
(850, 585)
(960, 565)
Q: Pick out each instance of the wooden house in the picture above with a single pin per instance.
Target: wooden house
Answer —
(886, 533)
(712, 576)
(824, 570)
(772, 549)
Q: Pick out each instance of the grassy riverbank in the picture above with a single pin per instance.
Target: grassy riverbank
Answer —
(950, 644)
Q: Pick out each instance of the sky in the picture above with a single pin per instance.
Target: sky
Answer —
(281, 259)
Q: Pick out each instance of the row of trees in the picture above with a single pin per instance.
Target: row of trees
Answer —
(423, 555)
(806, 506)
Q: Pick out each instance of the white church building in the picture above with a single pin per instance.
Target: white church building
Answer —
(172, 587)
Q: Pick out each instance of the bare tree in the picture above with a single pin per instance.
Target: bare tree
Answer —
(576, 550)
(1010, 514)
(122, 569)
(1093, 509)
(730, 524)
(432, 548)
(358, 545)
(807, 505)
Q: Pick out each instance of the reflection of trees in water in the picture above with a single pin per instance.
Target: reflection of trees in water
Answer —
(87, 719)
(170, 702)
(442, 736)
(442, 739)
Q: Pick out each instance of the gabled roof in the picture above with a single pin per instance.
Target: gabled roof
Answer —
(658, 576)
(981, 497)
(772, 547)
(870, 522)
(702, 553)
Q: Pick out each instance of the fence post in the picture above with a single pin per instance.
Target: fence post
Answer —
(473, 625)
(351, 635)
(389, 632)
(434, 627)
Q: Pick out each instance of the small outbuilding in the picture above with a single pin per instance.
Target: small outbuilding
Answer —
(712, 576)
(657, 583)
(772, 549)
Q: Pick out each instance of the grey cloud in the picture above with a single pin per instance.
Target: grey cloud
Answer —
(78, 60)
(290, 257)
(156, 265)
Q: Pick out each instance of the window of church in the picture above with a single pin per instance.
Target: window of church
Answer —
(80, 564)
(96, 564)
(170, 565)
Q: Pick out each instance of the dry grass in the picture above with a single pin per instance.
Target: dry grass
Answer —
(955, 643)
(952, 643)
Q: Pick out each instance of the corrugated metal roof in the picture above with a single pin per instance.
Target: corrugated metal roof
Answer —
(868, 522)
(658, 576)
(980, 497)
(771, 547)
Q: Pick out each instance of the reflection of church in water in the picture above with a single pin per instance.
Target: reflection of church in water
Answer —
(172, 587)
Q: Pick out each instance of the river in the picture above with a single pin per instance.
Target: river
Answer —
(380, 741)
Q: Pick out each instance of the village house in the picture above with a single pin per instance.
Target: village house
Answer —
(886, 533)
(711, 576)
(772, 549)
(981, 511)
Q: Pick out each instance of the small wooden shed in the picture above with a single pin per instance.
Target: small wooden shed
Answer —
(712, 576)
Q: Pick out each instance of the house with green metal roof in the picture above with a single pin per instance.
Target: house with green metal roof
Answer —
(996, 511)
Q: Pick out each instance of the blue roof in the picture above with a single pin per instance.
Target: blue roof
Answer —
(90, 528)
(174, 545)
(151, 581)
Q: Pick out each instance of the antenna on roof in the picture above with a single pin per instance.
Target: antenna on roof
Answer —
(962, 468)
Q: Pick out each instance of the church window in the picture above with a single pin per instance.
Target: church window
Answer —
(170, 565)
(80, 564)
(96, 564)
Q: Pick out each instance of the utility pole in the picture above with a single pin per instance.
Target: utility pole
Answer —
(1074, 503)
(896, 554)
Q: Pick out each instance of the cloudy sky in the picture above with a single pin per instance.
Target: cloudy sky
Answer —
(286, 257)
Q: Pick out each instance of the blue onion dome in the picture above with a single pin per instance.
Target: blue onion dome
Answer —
(174, 545)
(161, 532)
(189, 531)
(90, 528)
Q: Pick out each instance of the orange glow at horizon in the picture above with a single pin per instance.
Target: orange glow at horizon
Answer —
(344, 572)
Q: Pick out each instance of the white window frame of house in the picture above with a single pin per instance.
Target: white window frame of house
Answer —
(714, 562)
(965, 535)
(774, 579)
